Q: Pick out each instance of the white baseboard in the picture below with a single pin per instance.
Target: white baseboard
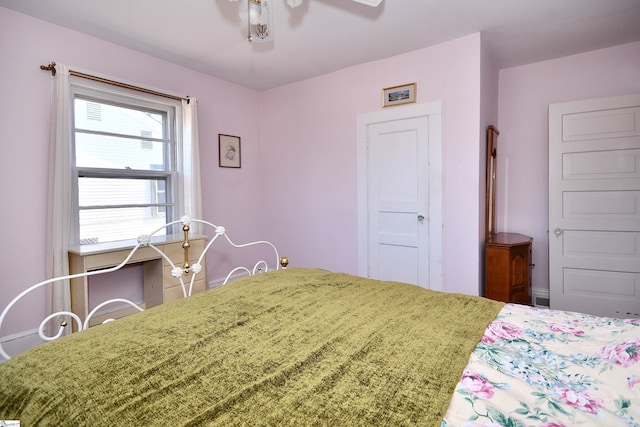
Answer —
(218, 282)
(238, 275)
(21, 341)
(540, 297)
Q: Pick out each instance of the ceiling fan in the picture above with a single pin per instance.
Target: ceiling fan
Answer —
(260, 18)
(374, 3)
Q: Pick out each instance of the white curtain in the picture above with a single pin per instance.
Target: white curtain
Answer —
(192, 194)
(59, 201)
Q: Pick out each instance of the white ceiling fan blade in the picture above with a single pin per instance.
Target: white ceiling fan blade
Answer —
(372, 3)
(296, 3)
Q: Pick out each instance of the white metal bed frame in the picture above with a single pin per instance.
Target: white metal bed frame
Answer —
(176, 271)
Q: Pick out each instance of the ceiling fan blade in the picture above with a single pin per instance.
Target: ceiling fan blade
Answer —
(372, 3)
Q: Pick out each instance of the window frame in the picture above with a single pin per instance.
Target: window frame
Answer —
(108, 94)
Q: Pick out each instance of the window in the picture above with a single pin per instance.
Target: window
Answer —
(124, 148)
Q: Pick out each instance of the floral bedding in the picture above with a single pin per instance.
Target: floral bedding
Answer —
(538, 367)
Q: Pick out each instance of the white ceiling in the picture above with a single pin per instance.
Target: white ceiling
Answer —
(322, 36)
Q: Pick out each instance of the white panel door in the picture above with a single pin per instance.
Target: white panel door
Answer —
(594, 206)
(399, 181)
(398, 205)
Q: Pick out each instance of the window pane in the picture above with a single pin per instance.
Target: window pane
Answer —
(101, 117)
(107, 225)
(98, 151)
(120, 191)
(99, 223)
(124, 151)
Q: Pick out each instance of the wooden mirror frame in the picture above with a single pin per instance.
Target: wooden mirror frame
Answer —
(490, 204)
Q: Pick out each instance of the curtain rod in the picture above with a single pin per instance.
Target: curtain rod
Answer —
(52, 68)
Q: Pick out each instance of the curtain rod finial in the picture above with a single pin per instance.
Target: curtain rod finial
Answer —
(51, 67)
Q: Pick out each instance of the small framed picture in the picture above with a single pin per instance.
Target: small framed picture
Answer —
(396, 95)
(229, 151)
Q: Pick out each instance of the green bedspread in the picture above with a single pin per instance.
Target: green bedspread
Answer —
(293, 347)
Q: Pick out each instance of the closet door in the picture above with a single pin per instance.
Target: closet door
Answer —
(594, 206)
(400, 195)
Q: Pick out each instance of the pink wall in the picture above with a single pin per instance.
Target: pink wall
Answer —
(298, 173)
(308, 132)
(25, 44)
(525, 93)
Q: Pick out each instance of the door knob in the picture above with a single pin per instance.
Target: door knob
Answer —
(557, 232)
(420, 218)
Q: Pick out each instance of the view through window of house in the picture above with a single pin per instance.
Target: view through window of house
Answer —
(124, 164)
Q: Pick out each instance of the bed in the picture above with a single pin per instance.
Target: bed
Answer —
(303, 346)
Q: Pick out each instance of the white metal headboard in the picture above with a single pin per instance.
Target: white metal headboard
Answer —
(177, 271)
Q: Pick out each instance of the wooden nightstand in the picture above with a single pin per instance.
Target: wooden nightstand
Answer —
(508, 268)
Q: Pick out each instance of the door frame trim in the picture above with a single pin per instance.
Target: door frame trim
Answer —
(433, 111)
